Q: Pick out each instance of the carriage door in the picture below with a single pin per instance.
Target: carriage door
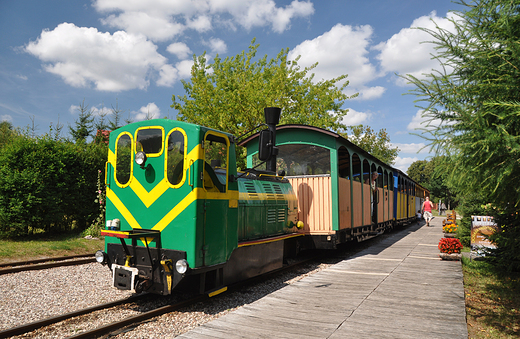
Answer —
(216, 204)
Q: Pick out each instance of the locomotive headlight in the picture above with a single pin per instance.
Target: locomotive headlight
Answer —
(181, 266)
(140, 158)
(101, 257)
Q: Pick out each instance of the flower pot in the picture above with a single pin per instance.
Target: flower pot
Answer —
(449, 235)
(452, 256)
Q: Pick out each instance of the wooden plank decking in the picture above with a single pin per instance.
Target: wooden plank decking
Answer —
(398, 288)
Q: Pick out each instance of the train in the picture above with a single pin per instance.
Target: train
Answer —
(180, 215)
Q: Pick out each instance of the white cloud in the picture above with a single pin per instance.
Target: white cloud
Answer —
(411, 148)
(83, 56)
(408, 51)
(404, 163)
(217, 45)
(184, 68)
(355, 118)
(162, 20)
(179, 49)
(201, 23)
(167, 76)
(6, 117)
(342, 50)
(155, 27)
(369, 93)
(420, 122)
(259, 13)
(150, 111)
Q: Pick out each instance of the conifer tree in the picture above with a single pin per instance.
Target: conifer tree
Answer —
(84, 125)
(476, 96)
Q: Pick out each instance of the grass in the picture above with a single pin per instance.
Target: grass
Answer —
(43, 247)
(492, 301)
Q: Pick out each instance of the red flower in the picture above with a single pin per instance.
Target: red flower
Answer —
(450, 245)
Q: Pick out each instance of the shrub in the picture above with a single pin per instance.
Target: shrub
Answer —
(47, 185)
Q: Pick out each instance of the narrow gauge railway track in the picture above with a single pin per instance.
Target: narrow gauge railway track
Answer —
(39, 264)
(103, 330)
(139, 318)
(18, 330)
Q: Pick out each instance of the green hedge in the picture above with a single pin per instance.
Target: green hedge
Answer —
(48, 186)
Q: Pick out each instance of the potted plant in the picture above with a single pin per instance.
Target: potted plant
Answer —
(450, 248)
(449, 230)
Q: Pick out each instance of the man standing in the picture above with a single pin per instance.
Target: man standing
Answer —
(373, 191)
(427, 210)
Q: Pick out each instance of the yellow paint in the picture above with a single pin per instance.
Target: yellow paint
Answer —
(222, 290)
(185, 159)
(167, 264)
(148, 198)
(150, 155)
(270, 240)
(122, 209)
(196, 194)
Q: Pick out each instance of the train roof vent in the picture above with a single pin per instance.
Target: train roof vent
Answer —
(268, 188)
(278, 191)
(250, 187)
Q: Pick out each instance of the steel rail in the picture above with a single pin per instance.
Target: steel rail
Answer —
(48, 265)
(137, 319)
(38, 261)
(18, 330)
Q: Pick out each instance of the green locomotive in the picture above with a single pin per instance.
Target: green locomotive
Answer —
(179, 214)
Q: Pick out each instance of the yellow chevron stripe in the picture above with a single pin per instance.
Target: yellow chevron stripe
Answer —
(197, 193)
(122, 209)
(148, 198)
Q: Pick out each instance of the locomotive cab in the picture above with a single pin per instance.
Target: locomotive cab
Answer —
(171, 203)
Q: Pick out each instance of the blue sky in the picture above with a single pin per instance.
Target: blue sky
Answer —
(55, 54)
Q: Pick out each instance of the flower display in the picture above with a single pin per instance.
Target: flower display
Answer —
(449, 228)
(450, 245)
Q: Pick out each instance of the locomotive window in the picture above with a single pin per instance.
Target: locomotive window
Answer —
(150, 141)
(301, 159)
(216, 158)
(175, 158)
(123, 159)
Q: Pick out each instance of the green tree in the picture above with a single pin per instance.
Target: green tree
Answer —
(377, 144)
(475, 96)
(421, 171)
(231, 94)
(84, 125)
(115, 119)
(6, 132)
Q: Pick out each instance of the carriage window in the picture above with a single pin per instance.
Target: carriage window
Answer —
(150, 141)
(123, 159)
(356, 167)
(343, 162)
(301, 159)
(175, 158)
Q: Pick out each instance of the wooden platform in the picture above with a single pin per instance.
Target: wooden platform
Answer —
(398, 288)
